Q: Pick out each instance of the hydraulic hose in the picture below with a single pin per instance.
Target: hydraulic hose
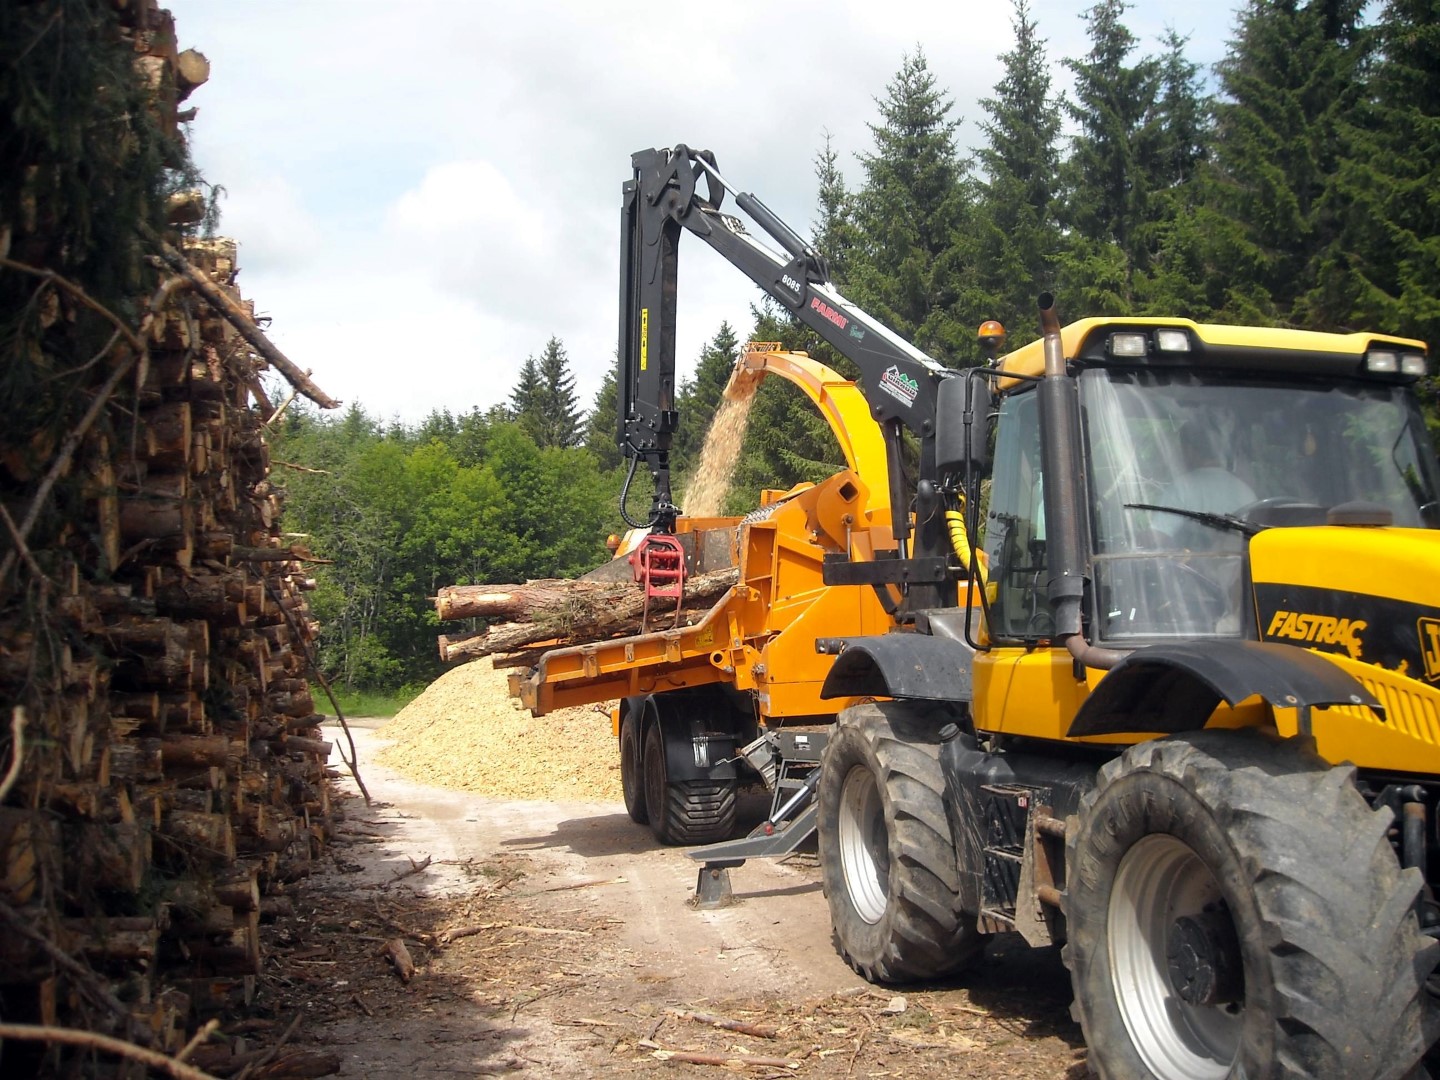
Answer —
(960, 542)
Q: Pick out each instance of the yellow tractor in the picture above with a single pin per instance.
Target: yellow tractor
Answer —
(1157, 679)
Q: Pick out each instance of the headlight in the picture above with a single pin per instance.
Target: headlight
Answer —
(1128, 345)
(1412, 364)
(1382, 362)
(1172, 340)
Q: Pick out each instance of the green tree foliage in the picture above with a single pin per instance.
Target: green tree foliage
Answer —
(603, 422)
(910, 269)
(1016, 228)
(1386, 270)
(835, 234)
(1288, 82)
(401, 512)
(1174, 232)
(543, 400)
(1110, 174)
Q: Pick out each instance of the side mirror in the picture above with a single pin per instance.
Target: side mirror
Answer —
(958, 443)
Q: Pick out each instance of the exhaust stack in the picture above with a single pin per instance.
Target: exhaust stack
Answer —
(1064, 516)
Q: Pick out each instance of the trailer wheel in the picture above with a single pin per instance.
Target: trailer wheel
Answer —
(887, 847)
(685, 811)
(632, 770)
(1235, 909)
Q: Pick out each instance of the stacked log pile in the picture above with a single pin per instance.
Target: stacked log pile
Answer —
(163, 768)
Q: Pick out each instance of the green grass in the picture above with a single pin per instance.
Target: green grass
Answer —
(355, 702)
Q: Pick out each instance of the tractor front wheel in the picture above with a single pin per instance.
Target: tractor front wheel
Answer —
(887, 848)
(1235, 909)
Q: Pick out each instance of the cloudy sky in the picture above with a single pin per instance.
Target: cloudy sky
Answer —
(424, 193)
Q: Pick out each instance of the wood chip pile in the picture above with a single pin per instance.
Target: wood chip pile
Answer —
(466, 732)
(153, 661)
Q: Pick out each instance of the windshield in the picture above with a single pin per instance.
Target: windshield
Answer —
(1183, 465)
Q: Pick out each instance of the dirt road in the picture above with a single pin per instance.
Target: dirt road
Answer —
(556, 939)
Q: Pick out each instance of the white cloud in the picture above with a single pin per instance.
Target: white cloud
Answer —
(268, 212)
(471, 234)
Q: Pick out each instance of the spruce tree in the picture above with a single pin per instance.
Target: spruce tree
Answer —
(1288, 82)
(525, 397)
(1111, 170)
(911, 214)
(543, 400)
(1177, 280)
(1016, 228)
(602, 423)
(834, 232)
(1386, 274)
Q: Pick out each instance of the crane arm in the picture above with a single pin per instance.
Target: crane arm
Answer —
(663, 198)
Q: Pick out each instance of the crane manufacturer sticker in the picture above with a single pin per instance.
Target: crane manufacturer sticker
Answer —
(900, 386)
(828, 312)
(1430, 647)
(644, 337)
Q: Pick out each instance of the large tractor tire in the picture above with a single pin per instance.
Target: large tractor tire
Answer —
(1235, 909)
(887, 848)
(685, 811)
(632, 768)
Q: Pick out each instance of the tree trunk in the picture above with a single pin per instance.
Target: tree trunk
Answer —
(567, 612)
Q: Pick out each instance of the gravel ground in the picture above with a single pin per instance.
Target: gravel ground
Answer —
(554, 938)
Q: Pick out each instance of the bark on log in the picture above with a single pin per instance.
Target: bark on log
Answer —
(569, 614)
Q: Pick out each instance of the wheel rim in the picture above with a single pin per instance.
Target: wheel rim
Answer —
(1162, 880)
(864, 844)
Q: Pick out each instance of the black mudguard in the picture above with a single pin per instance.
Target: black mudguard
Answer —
(1173, 688)
(902, 665)
(694, 727)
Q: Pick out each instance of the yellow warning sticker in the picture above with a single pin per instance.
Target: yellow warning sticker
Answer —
(644, 337)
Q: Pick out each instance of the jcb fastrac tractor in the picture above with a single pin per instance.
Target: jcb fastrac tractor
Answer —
(1178, 710)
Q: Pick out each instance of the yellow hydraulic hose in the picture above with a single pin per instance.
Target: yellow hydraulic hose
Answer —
(960, 541)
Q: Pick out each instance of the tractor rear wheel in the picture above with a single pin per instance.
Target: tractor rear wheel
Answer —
(887, 848)
(632, 769)
(1235, 909)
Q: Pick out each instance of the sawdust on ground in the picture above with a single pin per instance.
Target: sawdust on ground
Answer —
(467, 733)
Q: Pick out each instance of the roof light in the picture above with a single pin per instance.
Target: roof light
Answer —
(1382, 362)
(1128, 345)
(1412, 364)
(1172, 340)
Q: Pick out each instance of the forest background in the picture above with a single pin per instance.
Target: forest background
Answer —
(1296, 185)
